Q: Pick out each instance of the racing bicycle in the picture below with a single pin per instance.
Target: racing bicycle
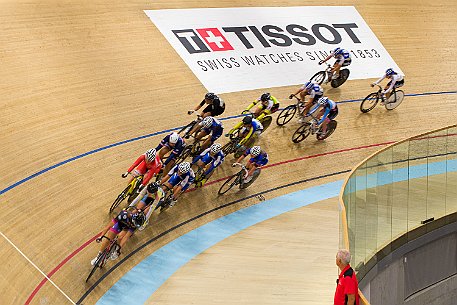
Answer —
(102, 257)
(185, 130)
(310, 127)
(288, 112)
(130, 191)
(239, 179)
(394, 100)
(324, 75)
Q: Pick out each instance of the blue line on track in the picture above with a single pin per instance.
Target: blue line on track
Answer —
(8, 188)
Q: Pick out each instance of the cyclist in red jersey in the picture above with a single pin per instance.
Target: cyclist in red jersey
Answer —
(148, 164)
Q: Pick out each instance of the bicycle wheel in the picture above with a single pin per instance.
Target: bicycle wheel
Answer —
(301, 133)
(185, 130)
(286, 115)
(330, 129)
(318, 78)
(184, 154)
(229, 147)
(229, 183)
(396, 97)
(369, 102)
(98, 263)
(266, 122)
(119, 199)
(255, 175)
(344, 74)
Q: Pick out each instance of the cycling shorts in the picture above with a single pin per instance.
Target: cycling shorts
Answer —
(332, 114)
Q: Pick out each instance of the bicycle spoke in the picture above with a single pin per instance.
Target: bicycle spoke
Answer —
(286, 115)
(301, 133)
(228, 184)
(369, 102)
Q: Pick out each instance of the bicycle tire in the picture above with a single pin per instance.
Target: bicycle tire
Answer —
(188, 127)
(330, 129)
(318, 78)
(119, 199)
(399, 96)
(229, 183)
(286, 115)
(266, 122)
(369, 102)
(229, 147)
(344, 74)
(98, 264)
(301, 133)
(184, 154)
(255, 175)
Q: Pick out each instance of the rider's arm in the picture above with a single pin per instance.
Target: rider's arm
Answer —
(327, 58)
(138, 161)
(379, 80)
(252, 104)
(199, 105)
(105, 229)
(138, 198)
(152, 170)
(251, 131)
(327, 111)
(392, 84)
(236, 127)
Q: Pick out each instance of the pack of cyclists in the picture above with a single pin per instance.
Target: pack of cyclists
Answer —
(177, 178)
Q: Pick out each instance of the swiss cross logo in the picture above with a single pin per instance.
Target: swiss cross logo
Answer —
(214, 39)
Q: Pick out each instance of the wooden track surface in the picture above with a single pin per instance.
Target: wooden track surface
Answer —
(79, 75)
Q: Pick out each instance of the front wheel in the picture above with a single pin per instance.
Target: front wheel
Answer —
(255, 175)
(301, 133)
(318, 78)
(395, 100)
(369, 102)
(286, 115)
(229, 183)
(331, 126)
(344, 74)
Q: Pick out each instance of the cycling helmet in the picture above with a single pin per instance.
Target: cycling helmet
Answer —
(215, 148)
(322, 101)
(309, 85)
(184, 168)
(265, 97)
(174, 137)
(247, 120)
(210, 96)
(153, 187)
(138, 219)
(151, 155)
(207, 122)
(255, 151)
(337, 51)
(390, 71)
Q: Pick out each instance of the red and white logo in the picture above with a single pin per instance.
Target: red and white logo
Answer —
(214, 39)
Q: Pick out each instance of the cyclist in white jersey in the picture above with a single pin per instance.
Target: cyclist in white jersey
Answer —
(396, 81)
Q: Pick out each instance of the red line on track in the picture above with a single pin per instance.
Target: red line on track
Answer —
(41, 284)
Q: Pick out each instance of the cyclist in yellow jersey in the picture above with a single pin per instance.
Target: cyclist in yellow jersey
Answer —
(144, 201)
(268, 105)
(248, 127)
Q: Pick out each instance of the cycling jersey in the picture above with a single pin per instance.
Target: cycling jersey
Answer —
(148, 198)
(343, 59)
(315, 91)
(396, 80)
(183, 180)
(122, 222)
(175, 151)
(260, 160)
(330, 111)
(148, 169)
(256, 127)
(207, 158)
(216, 129)
(216, 108)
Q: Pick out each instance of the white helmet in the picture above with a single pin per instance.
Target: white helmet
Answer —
(215, 148)
(150, 155)
(174, 138)
(255, 151)
(207, 122)
(184, 168)
(322, 101)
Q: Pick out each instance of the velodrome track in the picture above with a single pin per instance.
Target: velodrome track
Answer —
(76, 77)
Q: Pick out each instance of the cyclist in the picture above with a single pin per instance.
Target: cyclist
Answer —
(123, 225)
(328, 110)
(179, 178)
(258, 159)
(174, 143)
(209, 125)
(343, 59)
(268, 105)
(396, 81)
(314, 92)
(209, 160)
(216, 105)
(150, 194)
(248, 127)
(148, 164)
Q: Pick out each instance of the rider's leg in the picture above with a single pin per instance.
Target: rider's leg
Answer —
(206, 144)
(163, 151)
(308, 106)
(258, 110)
(336, 70)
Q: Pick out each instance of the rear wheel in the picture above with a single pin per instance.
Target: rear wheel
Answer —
(255, 175)
(185, 130)
(266, 122)
(369, 102)
(301, 133)
(318, 78)
(229, 183)
(330, 129)
(344, 74)
(119, 199)
(395, 100)
(229, 147)
(286, 115)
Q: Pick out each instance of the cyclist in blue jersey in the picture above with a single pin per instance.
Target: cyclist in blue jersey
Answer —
(209, 159)
(343, 59)
(209, 125)
(326, 111)
(179, 178)
(314, 93)
(258, 159)
(174, 143)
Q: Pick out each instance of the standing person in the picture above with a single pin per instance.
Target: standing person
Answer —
(347, 287)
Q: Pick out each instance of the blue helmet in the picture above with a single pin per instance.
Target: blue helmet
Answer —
(390, 72)
(309, 85)
(337, 51)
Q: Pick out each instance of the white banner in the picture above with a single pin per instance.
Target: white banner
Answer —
(236, 49)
